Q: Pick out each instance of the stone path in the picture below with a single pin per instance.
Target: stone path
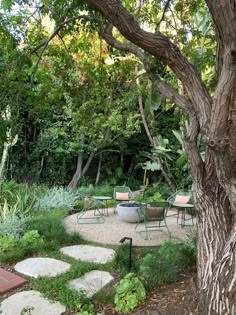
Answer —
(91, 282)
(30, 300)
(89, 253)
(44, 267)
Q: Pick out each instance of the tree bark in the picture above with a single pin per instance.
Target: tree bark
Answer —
(99, 169)
(80, 171)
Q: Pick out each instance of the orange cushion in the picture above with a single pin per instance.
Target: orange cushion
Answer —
(181, 199)
(122, 196)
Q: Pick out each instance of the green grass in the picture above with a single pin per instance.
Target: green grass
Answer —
(50, 225)
(56, 288)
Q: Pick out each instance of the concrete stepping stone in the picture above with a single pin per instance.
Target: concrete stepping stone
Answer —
(9, 280)
(89, 253)
(44, 267)
(30, 300)
(91, 282)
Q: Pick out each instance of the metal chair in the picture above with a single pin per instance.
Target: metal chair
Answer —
(182, 201)
(154, 217)
(121, 194)
(97, 206)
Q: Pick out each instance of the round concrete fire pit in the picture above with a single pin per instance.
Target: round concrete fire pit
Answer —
(128, 211)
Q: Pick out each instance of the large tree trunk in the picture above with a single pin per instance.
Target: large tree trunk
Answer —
(216, 250)
(80, 171)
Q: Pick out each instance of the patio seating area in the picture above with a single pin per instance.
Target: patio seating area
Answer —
(113, 229)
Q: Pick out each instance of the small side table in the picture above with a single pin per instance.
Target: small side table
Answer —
(184, 208)
(104, 200)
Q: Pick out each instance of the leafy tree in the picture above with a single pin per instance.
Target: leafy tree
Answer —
(170, 36)
(213, 179)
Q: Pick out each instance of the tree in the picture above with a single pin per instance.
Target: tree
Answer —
(209, 108)
(214, 180)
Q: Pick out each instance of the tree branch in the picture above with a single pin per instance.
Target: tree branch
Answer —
(166, 51)
(166, 7)
(168, 91)
(223, 15)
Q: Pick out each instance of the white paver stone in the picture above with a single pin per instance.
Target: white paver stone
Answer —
(30, 299)
(89, 253)
(44, 267)
(91, 282)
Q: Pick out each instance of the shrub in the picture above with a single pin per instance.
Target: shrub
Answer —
(161, 266)
(13, 247)
(155, 197)
(188, 249)
(15, 226)
(129, 292)
(50, 226)
(57, 198)
(121, 257)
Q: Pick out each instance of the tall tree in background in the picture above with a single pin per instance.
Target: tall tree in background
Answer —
(214, 180)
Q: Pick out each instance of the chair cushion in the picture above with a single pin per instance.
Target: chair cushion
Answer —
(154, 212)
(182, 199)
(122, 196)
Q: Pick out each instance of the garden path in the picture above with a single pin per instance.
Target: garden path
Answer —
(91, 281)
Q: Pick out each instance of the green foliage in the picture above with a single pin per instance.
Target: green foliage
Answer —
(27, 311)
(86, 309)
(50, 226)
(155, 197)
(57, 198)
(121, 257)
(85, 306)
(159, 187)
(41, 232)
(105, 295)
(188, 249)
(7, 242)
(161, 266)
(12, 248)
(58, 289)
(129, 292)
(20, 197)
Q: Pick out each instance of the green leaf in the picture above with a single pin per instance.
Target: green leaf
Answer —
(178, 136)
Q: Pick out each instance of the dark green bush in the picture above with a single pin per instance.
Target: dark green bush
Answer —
(121, 258)
(162, 265)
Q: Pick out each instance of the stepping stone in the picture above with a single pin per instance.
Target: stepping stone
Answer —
(42, 267)
(27, 300)
(89, 253)
(9, 280)
(91, 282)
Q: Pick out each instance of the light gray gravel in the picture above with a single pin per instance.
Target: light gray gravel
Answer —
(113, 229)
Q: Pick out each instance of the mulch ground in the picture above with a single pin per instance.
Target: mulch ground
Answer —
(177, 298)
